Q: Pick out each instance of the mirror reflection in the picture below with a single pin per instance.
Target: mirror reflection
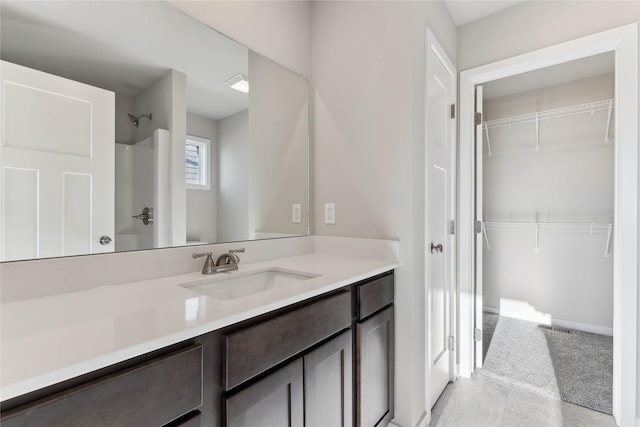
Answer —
(128, 125)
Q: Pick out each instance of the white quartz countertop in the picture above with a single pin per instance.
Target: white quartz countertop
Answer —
(54, 338)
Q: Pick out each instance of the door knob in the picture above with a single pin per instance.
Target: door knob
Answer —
(436, 249)
(105, 240)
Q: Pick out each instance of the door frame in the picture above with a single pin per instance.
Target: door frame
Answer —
(433, 45)
(623, 41)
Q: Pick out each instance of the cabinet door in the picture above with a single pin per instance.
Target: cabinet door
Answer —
(328, 397)
(375, 370)
(276, 400)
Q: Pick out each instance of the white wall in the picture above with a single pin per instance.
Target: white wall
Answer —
(278, 148)
(536, 24)
(166, 101)
(572, 177)
(123, 197)
(368, 81)
(124, 128)
(233, 177)
(280, 30)
(202, 205)
(124, 239)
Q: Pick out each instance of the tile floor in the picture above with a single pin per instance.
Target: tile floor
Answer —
(482, 401)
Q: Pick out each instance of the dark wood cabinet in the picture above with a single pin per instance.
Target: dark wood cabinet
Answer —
(281, 399)
(375, 369)
(374, 338)
(328, 380)
(276, 400)
(301, 337)
(153, 393)
(256, 348)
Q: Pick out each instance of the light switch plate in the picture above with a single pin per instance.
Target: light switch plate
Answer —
(296, 213)
(329, 213)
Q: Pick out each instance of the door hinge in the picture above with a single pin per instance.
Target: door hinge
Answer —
(452, 343)
(478, 119)
(477, 334)
(477, 227)
(452, 227)
(453, 111)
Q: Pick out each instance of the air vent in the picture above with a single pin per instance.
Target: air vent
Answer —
(556, 329)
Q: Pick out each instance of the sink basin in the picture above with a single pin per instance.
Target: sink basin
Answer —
(240, 285)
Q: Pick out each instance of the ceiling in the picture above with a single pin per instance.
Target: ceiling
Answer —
(465, 11)
(579, 69)
(125, 47)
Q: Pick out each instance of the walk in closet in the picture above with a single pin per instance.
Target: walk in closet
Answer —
(547, 233)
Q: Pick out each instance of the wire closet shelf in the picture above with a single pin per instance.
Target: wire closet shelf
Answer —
(588, 108)
(537, 117)
(568, 224)
(556, 224)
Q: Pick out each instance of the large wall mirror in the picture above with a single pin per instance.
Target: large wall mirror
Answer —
(129, 125)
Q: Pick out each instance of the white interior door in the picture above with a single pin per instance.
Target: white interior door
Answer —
(479, 231)
(57, 158)
(440, 250)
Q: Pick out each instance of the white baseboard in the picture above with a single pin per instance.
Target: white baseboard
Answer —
(586, 327)
(602, 330)
(424, 421)
(490, 309)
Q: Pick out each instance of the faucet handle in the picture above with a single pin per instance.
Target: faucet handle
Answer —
(209, 266)
(201, 254)
(239, 250)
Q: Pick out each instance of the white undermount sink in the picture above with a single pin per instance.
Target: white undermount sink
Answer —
(240, 284)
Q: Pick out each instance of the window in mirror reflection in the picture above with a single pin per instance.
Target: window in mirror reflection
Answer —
(197, 168)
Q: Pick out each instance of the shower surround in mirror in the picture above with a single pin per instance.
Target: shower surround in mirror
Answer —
(168, 74)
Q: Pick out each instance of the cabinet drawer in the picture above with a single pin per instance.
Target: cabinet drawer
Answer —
(151, 394)
(375, 295)
(255, 349)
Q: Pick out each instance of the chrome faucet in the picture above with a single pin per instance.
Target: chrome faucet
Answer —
(229, 258)
(228, 261)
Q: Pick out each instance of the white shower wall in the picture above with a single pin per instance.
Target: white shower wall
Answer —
(142, 181)
(571, 178)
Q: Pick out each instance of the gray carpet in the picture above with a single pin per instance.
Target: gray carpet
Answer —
(489, 322)
(577, 367)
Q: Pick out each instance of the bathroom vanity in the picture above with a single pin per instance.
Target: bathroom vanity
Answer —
(310, 344)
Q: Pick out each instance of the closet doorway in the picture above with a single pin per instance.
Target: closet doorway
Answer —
(544, 196)
(623, 43)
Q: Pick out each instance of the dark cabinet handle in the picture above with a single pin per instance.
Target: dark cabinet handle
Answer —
(436, 249)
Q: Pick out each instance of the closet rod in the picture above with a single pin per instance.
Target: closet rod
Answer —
(607, 104)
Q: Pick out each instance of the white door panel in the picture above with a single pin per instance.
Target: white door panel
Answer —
(65, 204)
(478, 236)
(20, 200)
(439, 243)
